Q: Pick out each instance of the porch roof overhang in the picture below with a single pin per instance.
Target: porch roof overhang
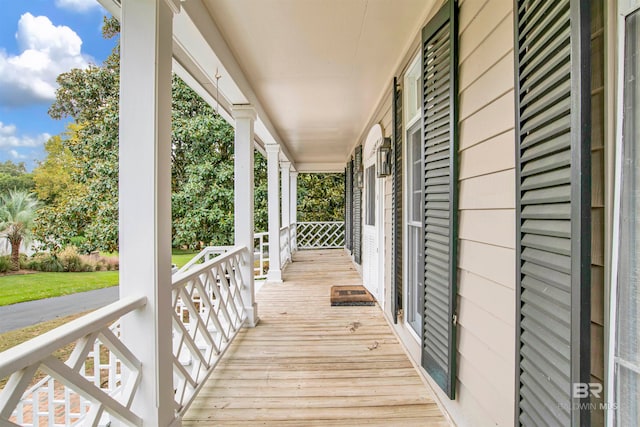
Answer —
(314, 70)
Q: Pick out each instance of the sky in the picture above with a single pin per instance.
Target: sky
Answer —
(40, 39)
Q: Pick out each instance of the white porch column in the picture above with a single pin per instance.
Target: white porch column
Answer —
(273, 195)
(145, 200)
(285, 177)
(245, 116)
(285, 169)
(293, 203)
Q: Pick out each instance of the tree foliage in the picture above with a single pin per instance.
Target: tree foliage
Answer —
(17, 213)
(84, 210)
(203, 173)
(14, 176)
(82, 206)
(320, 197)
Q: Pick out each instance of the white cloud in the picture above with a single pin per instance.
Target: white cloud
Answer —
(9, 138)
(17, 155)
(47, 51)
(78, 5)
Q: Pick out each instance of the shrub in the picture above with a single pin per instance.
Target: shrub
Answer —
(70, 259)
(51, 264)
(5, 264)
(24, 261)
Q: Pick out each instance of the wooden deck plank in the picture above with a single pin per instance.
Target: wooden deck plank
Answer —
(309, 364)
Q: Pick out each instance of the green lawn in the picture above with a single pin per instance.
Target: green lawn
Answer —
(180, 257)
(29, 287)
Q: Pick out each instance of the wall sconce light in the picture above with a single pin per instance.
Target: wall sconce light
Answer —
(359, 179)
(383, 158)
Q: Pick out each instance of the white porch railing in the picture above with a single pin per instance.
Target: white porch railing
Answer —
(98, 382)
(208, 313)
(293, 236)
(285, 249)
(260, 255)
(204, 255)
(100, 377)
(320, 235)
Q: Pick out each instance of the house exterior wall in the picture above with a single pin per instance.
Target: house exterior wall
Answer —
(486, 330)
(486, 297)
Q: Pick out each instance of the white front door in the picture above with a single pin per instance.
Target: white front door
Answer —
(373, 224)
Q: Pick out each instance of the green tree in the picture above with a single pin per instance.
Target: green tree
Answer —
(320, 197)
(17, 212)
(54, 177)
(202, 173)
(82, 207)
(14, 176)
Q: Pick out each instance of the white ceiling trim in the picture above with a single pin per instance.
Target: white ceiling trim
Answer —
(320, 167)
(194, 56)
(233, 84)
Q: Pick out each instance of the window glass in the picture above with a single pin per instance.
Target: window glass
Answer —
(415, 166)
(370, 176)
(627, 360)
(413, 92)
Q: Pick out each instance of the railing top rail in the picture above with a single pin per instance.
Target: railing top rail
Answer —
(180, 278)
(264, 233)
(201, 254)
(32, 351)
(285, 228)
(320, 222)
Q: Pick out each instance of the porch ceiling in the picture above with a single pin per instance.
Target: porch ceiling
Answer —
(319, 67)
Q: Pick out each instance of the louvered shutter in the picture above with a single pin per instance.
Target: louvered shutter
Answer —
(440, 117)
(396, 289)
(348, 215)
(357, 208)
(553, 210)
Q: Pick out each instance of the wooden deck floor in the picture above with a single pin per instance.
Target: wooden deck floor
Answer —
(308, 363)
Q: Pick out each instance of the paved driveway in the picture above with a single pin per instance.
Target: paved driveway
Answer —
(29, 313)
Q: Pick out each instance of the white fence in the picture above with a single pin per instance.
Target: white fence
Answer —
(98, 381)
(285, 249)
(260, 255)
(99, 378)
(320, 235)
(293, 236)
(208, 313)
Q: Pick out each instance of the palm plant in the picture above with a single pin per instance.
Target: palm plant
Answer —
(17, 214)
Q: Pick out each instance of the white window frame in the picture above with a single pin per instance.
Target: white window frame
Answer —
(624, 9)
(412, 75)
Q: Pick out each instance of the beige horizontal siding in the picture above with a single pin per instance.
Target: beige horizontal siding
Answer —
(500, 149)
(481, 24)
(472, 227)
(493, 191)
(486, 297)
(495, 118)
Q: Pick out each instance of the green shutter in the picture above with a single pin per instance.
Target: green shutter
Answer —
(348, 215)
(440, 117)
(553, 210)
(396, 289)
(357, 207)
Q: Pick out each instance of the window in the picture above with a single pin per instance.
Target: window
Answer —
(627, 320)
(415, 268)
(370, 184)
(413, 94)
